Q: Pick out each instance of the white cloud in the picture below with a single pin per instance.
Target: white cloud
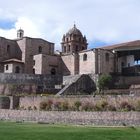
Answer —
(108, 21)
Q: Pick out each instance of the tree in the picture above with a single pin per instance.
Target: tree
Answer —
(104, 82)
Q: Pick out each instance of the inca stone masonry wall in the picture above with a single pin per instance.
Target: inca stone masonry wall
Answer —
(84, 118)
(11, 84)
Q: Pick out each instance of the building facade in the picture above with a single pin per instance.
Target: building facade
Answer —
(37, 56)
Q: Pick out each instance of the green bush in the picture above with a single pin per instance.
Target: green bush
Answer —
(77, 105)
(43, 105)
(104, 82)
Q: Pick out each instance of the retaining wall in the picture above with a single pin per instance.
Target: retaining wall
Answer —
(11, 84)
(83, 118)
(32, 101)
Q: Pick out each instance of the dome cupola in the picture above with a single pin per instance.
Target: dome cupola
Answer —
(74, 31)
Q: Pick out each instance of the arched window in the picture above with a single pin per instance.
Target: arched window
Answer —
(69, 48)
(53, 71)
(107, 56)
(17, 70)
(33, 71)
(85, 57)
(67, 39)
(40, 49)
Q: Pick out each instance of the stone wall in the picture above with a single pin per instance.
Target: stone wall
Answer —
(87, 66)
(11, 84)
(82, 118)
(68, 62)
(126, 80)
(32, 101)
(105, 61)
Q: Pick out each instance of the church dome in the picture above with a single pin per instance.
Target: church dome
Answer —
(74, 31)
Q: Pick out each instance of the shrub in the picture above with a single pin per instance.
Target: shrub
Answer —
(101, 106)
(77, 105)
(43, 105)
(34, 108)
(125, 106)
(29, 108)
(111, 107)
(65, 106)
(49, 105)
(104, 82)
(87, 106)
(57, 106)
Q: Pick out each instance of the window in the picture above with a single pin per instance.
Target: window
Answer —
(64, 48)
(17, 70)
(83, 48)
(80, 39)
(6, 67)
(67, 39)
(69, 48)
(76, 49)
(53, 71)
(107, 56)
(40, 49)
(85, 57)
(8, 48)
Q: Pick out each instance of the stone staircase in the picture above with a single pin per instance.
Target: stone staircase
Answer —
(70, 79)
(77, 85)
(67, 82)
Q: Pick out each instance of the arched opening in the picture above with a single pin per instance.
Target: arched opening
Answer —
(33, 71)
(85, 57)
(6, 67)
(53, 71)
(17, 69)
(69, 48)
(40, 49)
(67, 39)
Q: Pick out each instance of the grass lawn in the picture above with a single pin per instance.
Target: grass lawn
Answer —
(28, 131)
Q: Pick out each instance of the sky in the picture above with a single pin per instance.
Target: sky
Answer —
(104, 22)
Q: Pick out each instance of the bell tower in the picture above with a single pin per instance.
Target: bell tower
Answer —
(73, 41)
(20, 33)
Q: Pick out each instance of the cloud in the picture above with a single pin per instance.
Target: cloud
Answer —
(111, 21)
